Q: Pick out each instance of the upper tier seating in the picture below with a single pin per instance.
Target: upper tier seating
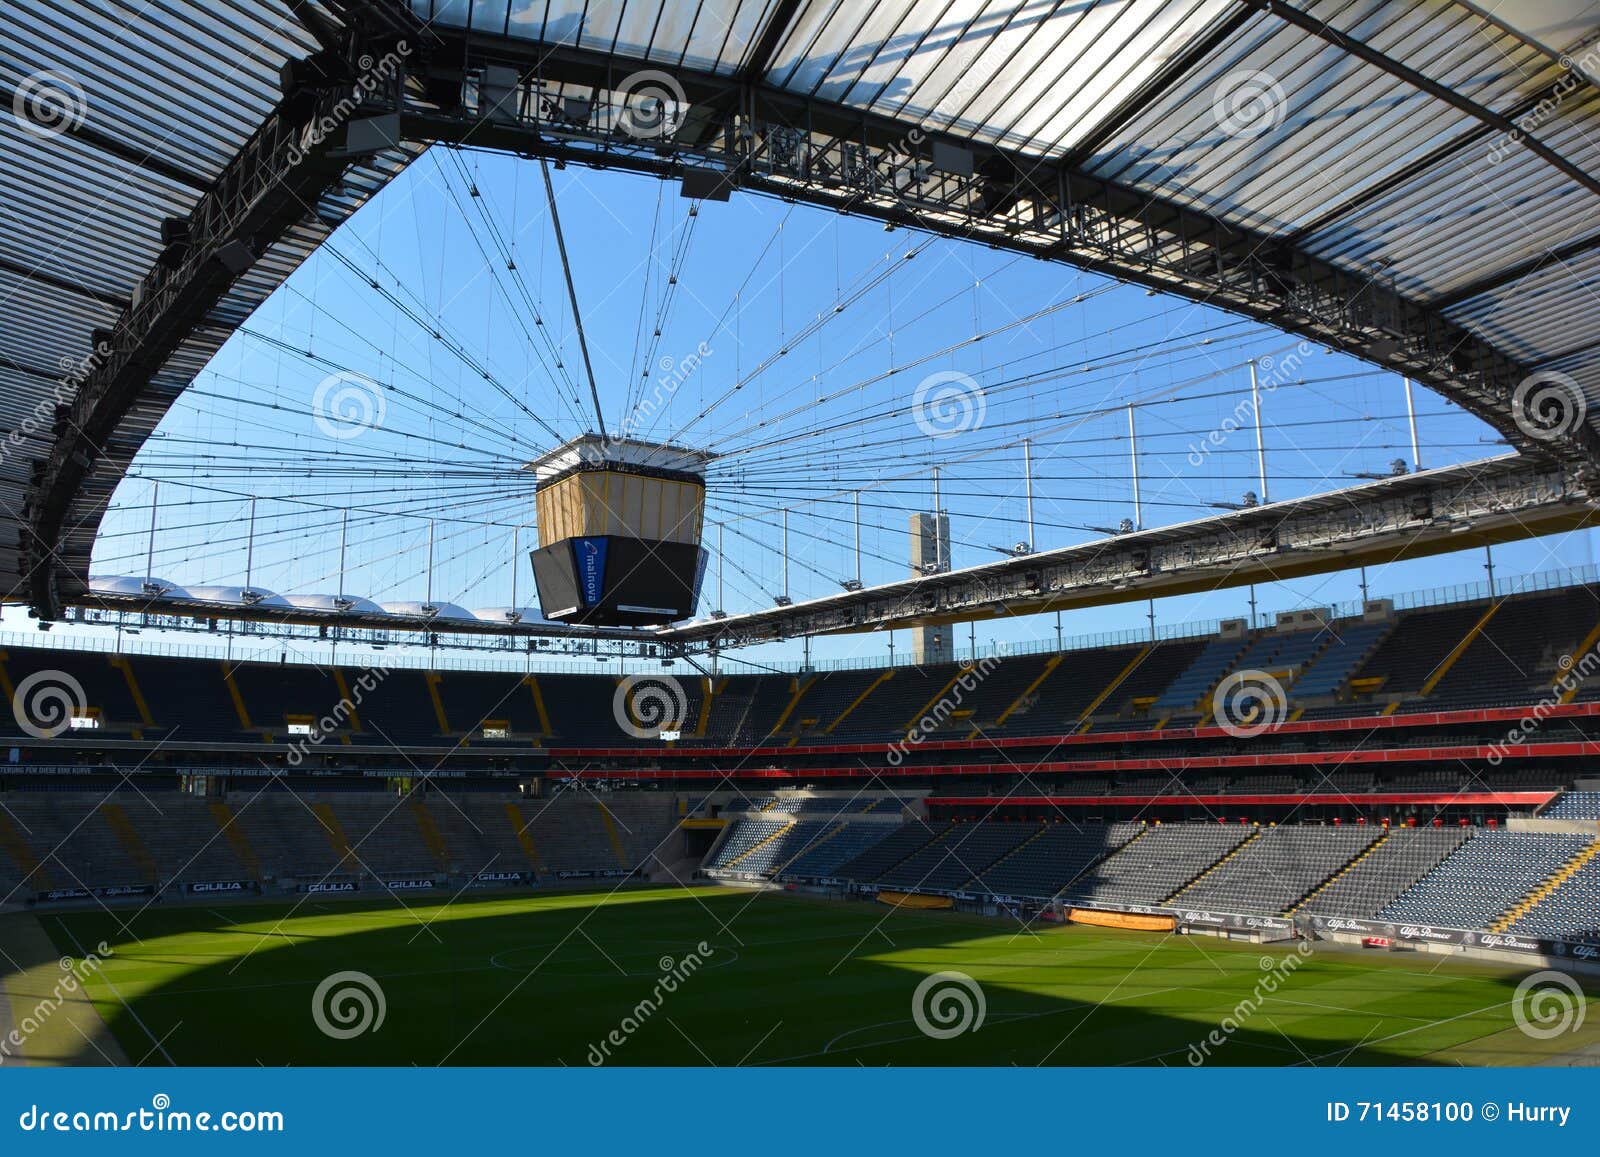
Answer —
(1207, 669)
(1119, 687)
(1518, 650)
(1350, 645)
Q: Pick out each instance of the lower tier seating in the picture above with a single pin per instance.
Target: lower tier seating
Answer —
(1043, 866)
(52, 840)
(1484, 877)
(1276, 869)
(952, 862)
(890, 850)
(1158, 863)
(1394, 864)
(822, 858)
(1571, 912)
(1574, 805)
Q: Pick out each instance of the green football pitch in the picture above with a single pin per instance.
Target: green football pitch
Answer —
(711, 976)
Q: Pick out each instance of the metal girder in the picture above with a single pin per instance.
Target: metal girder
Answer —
(1382, 521)
(271, 185)
(766, 45)
(177, 606)
(768, 141)
(1408, 516)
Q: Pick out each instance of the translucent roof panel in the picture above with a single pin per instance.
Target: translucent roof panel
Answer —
(711, 36)
(1364, 133)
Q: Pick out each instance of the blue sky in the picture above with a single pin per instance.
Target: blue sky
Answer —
(792, 343)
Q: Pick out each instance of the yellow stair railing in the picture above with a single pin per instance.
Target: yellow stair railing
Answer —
(1545, 888)
(132, 843)
(1239, 847)
(243, 851)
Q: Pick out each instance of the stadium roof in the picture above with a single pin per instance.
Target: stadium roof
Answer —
(1445, 152)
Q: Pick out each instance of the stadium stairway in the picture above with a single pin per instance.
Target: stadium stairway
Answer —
(237, 840)
(1276, 871)
(1144, 830)
(1590, 641)
(1193, 686)
(809, 847)
(1458, 650)
(892, 851)
(337, 840)
(797, 691)
(859, 700)
(613, 837)
(520, 825)
(131, 842)
(432, 838)
(1110, 689)
(932, 702)
(1331, 669)
(978, 879)
(1026, 694)
(748, 852)
(1340, 874)
(1237, 848)
(28, 868)
(1546, 888)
